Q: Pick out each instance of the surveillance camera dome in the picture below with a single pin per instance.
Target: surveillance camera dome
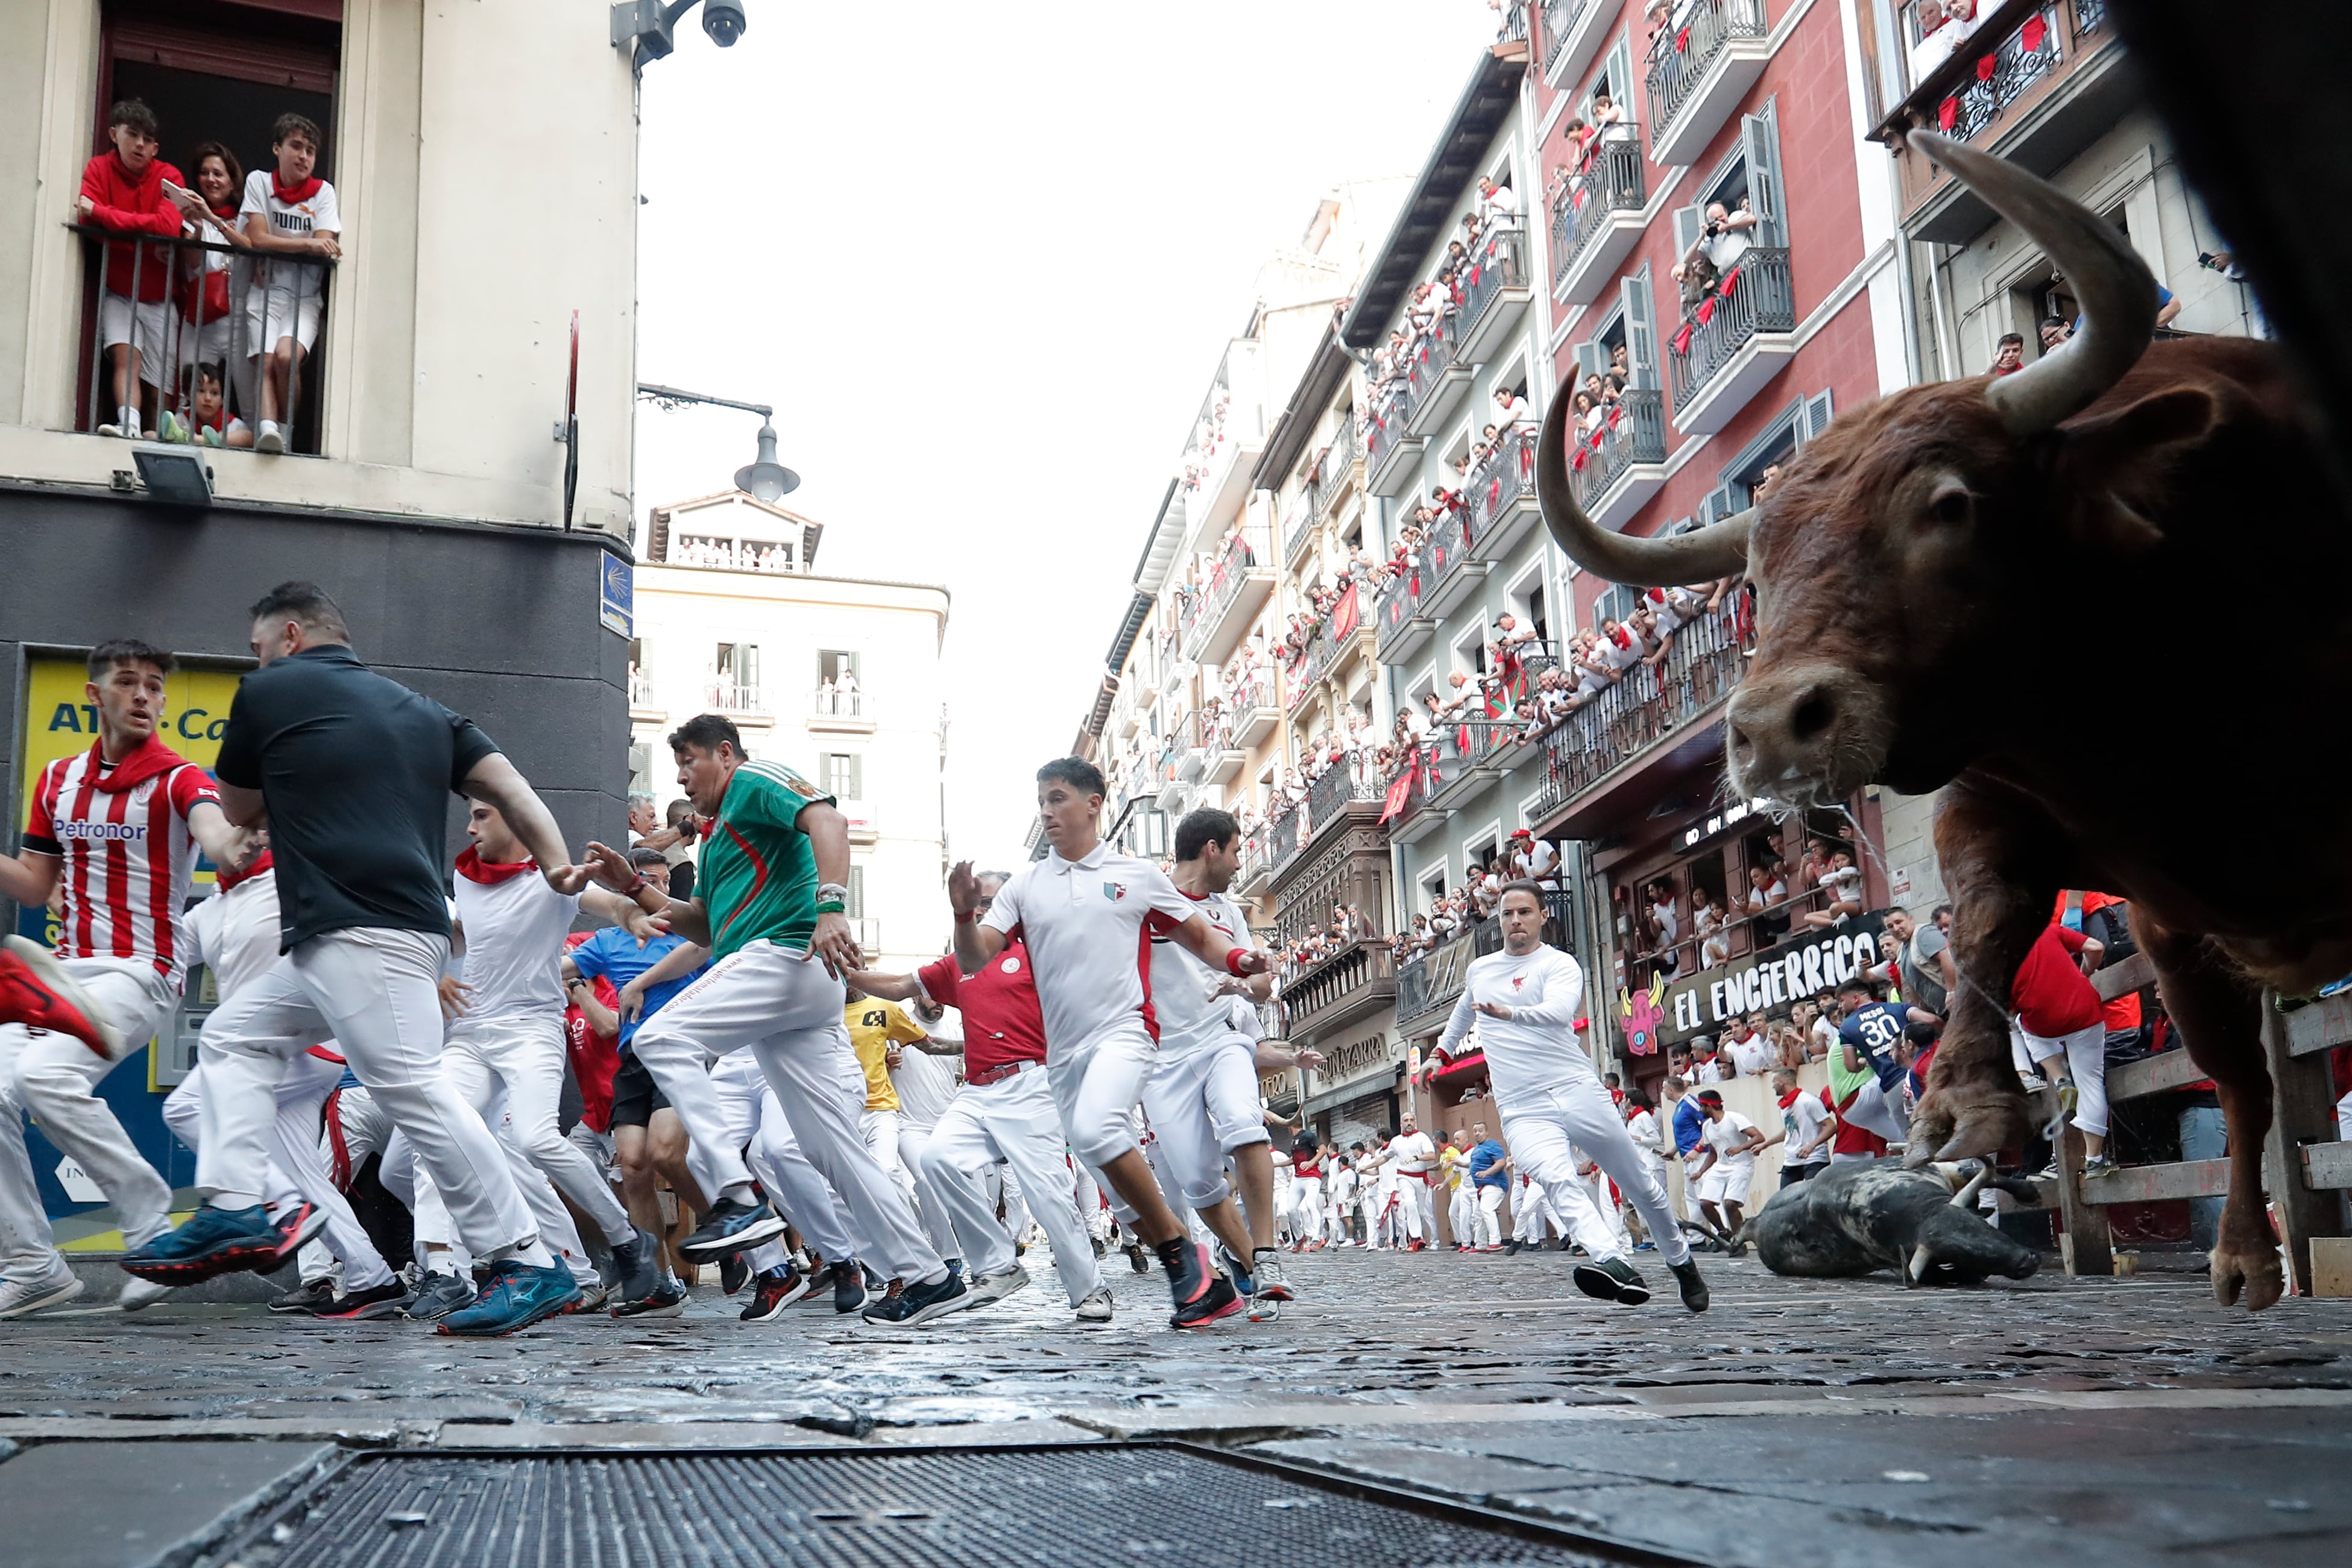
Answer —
(724, 21)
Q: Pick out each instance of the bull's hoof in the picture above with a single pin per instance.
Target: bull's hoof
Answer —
(1965, 1124)
(2254, 1271)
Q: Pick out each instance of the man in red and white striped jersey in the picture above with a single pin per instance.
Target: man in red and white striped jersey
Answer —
(113, 833)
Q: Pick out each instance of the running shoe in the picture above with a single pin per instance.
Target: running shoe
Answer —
(668, 1301)
(1415, 1245)
(990, 1288)
(35, 991)
(383, 1301)
(519, 1295)
(593, 1297)
(849, 1291)
(903, 1309)
(2100, 1166)
(307, 1297)
(1239, 1274)
(1095, 1307)
(733, 1273)
(1614, 1281)
(214, 1241)
(730, 1225)
(637, 1266)
(1272, 1290)
(19, 1300)
(298, 1223)
(1202, 1294)
(955, 1265)
(139, 1294)
(1694, 1289)
(1136, 1259)
(1511, 1248)
(436, 1296)
(773, 1292)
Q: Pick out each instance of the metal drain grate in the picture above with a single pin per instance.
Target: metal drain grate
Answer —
(1075, 1507)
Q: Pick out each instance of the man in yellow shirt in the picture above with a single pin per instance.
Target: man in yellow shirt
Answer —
(880, 1031)
(1461, 1203)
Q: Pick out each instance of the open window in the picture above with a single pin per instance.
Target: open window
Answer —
(1745, 477)
(1749, 182)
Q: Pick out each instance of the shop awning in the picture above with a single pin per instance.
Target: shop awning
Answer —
(1463, 1064)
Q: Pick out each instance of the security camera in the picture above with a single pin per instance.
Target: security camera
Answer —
(723, 20)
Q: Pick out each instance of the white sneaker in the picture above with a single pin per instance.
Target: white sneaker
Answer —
(138, 1293)
(996, 1287)
(19, 1300)
(271, 439)
(113, 430)
(1095, 1308)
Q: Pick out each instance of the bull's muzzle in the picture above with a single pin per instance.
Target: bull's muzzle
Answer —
(1807, 734)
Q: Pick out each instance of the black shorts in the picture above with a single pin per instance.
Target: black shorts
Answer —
(636, 1095)
(1792, 1175)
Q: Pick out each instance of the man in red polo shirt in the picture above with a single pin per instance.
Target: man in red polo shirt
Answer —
(1005, 1111)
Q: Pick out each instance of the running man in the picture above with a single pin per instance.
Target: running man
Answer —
(1085, 912)
(769, 902)
(1524, 1000)
(351, 771)
(1411, 1156)
(113, 835)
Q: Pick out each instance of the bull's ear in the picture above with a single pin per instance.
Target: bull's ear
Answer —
(2118, 464)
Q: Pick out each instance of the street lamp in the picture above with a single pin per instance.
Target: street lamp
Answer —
(764, 478)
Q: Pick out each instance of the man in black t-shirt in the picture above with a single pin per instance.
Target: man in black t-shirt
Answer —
(351, 773)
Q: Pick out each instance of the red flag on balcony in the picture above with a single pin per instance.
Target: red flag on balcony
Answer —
(1576, 199)
(1343, 615)
(1616, 413)
(1682, 340)
(1577, 461)
(1598, 437)
(1948, 113)
(2032, 33)
(1729, 279)
(1987, 65)
(1705, 312)
(1400, 791)
(1682, 40)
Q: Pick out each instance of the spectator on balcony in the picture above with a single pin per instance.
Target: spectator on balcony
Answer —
(289, 212)
(208, 421)
(2009, 355)
(1606, 112)
(1499, 205)
(1707, 925)
(1768, 893)
(206, 276)
(2054, 331)
(1841, 888)
(1665, 927)
(1697, 274)
(1727, 233)
(128, 191)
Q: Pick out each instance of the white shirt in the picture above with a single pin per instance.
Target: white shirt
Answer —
(926, 1084)
(514, 930)
(1543, 860)
(1800, 1125)
(297, 220)
(1642, 1128)
(1184, 989)
(1410, 1152)
(1086, 922)
(1727, 1134)
(1750, 1053)
(1535, 1050)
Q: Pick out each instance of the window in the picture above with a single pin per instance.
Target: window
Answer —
(1614, 606)
(1432, 886)
(843, 775)
(1785, 436)
(1750, 176)
(832, 664)
(856, 899)
(738, 664)
(1633, 328)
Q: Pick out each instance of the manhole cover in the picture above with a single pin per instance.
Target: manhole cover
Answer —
(1077, 1507)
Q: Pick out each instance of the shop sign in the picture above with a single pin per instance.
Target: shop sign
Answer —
(1354, 1060)
(1792, 971)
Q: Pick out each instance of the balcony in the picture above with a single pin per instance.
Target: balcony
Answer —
(1298, 524)
(1355, 982)
(1439, 380)
(1496, 298)
(1194, 738)
(738, 700)
(1454, 772)
(1170, 790)
(1282, 840)
(1502, 495)
(1336, 637)
(1700, 71)
(832, 711)
(1257, 862)
(1646, 708)
(2036, 83)
(1430, 983)
(1391, 455)
(1573, 31)
(1347, 791)
(1597, 220)
(1616, 470)
(644, 703)
(1741, 338)
(1336, 476)
(1404, 627)
(1251, 712)
(1228, 604)
(1231, 427)
(226, 331)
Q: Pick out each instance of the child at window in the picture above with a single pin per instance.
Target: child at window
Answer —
(289, 212)
(209, 422)
(128, 191)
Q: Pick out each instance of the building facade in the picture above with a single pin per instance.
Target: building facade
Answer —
(837, 678)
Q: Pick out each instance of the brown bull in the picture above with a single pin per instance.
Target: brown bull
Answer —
(2099, 605)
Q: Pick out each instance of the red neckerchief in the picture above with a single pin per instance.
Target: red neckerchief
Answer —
(294, 195)
(1791, 1098)
(149, 759)
(473, 868)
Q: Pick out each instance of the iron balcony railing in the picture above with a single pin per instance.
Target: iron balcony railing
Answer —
(1632, 432)
(1340, 977)
(1649, 703)
(1249, 693)
(1500, 266)
(181, 303)
(1759, 298)
(1399, 603)
(735, 697)
(1558, 19)
(1431, 358)
(1331, 473)
(1257, 852)
(1333, 633)
(1227, 579)
(1387, 421)
(1283, 837)
(641, 690)
(2004, 72)
(1614, 178)
(2090, 16)
(1509, 473)
(831, 702)
(1515, 23)
(1350, 780)
(1299, 519)
(1680, 55)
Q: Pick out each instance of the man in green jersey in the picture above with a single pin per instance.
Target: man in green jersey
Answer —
(769, 904)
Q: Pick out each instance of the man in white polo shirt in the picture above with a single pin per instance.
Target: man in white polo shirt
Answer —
(1086, 913)
(1413, 1158)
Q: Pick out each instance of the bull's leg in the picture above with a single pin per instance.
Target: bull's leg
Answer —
(2000, 864)
(2220, 1016)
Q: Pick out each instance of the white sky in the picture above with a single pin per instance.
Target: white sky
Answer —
(983, 260)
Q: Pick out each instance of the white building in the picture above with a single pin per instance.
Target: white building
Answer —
(836, 678)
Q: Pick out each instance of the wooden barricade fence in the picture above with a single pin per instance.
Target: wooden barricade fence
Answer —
(2305, 1166)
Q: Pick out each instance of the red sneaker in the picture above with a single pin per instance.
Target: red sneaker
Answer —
(1414, 1245)
(35, 991)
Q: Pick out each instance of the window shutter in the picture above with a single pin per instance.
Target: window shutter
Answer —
(1816, 420)
(1719, 504)
(856, 777)
(856, 899)
(1590, 362)
(1759, 142)
(1686, 226)
(1640, 328)
(1620, 72)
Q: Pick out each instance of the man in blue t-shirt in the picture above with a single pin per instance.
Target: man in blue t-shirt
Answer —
(1872, 1033)
(1490, 1180)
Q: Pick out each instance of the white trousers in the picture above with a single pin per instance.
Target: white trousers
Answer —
(56, 1077)
(297, 1166)
(787, 1010)
(373, 992)
(431, 1205)
(1544, 1131)
(913, 1138)
(1097, 1083)
(753, 1120)
(1203, 1105)
(1306, 1207)
(524, 1054)
(1417, 1207)
(1462, 1215)
(1490, 1215)
(1014, 1121)
(2086, 1051)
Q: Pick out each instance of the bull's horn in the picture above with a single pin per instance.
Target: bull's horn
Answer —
(2117, 292)
(1972, 1187)
(1917, 1272)
(1716, 550)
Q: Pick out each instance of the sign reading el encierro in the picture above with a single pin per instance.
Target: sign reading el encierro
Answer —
(1800, 967)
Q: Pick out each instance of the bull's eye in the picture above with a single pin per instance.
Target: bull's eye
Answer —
(1951, 506)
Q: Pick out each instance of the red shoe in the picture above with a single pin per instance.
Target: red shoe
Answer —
(35, 991)
(1414, 1245)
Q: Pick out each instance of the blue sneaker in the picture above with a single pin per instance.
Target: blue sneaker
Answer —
(516, 1296)
(214, 1241)
(729, 1227)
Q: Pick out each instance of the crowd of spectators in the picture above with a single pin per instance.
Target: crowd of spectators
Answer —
(744, 555)
(1710, 266)
(1434, 305)
(1457, 909)
(1681, 935)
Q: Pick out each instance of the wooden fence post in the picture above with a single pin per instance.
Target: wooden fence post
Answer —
(2302, 1113)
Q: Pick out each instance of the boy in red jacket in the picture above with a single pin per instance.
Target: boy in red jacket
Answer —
(129, 190)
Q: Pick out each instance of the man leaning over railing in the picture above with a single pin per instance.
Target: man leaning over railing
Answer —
(128, 190)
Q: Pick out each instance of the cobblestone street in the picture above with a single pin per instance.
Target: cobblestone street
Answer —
(1848, 1422)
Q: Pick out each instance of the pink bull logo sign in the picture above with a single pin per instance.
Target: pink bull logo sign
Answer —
(1644, 1012)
